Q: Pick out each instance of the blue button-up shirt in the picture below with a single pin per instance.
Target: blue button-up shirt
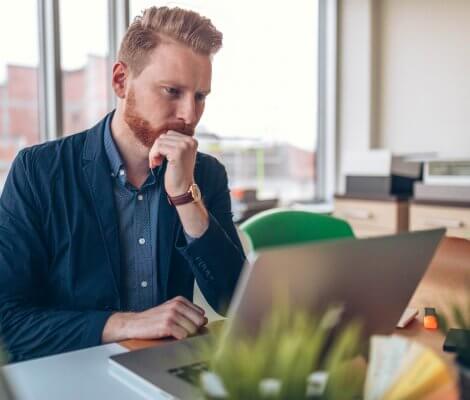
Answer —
(137, 211)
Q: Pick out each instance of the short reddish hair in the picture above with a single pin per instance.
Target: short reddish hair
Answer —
(157, 23)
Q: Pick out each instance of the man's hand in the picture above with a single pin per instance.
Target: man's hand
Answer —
(179, 147)
(178, 318)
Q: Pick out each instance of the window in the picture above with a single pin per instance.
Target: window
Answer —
(84, 61)
(261, 117)
(19, 59)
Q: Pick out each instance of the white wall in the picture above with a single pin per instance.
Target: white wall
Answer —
(404, 76)
(425, 75)
(355, 73)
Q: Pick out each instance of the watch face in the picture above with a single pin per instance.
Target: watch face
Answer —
(195, 192)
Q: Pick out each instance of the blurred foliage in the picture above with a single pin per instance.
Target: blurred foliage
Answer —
(288, 348)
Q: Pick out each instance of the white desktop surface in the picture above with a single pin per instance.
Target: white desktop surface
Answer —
(81, 374)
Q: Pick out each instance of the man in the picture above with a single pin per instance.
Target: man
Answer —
(103, 233)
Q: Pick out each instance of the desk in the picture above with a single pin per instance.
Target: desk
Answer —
(447, 280)
(84, 374)
(76, 375)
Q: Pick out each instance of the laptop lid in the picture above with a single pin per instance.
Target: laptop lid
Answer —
(373, 279)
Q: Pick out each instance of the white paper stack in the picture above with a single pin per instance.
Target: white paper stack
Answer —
(380, 162)
(403, 369)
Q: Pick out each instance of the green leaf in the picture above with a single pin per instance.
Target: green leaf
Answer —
(458, 316)
(443, 324)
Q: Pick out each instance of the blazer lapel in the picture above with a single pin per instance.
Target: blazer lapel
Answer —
(97, 174)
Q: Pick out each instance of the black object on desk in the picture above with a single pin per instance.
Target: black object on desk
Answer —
(456, 340)
(380, 185)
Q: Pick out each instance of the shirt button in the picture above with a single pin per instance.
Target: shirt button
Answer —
(122, 172)
(141, 241)
(143, 284)
(140, 197)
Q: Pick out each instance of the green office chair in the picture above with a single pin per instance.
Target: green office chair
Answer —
(284, 226)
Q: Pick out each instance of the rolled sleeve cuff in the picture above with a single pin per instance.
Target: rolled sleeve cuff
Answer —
(189, 239)
(96, 322)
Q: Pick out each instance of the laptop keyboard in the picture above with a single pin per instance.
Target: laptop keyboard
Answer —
(190, 373)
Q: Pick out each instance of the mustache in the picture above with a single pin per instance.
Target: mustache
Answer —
(178, 126)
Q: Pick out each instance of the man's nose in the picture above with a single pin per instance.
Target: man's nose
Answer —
(187, 111)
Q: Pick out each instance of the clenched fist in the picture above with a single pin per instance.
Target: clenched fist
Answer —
(179, 147)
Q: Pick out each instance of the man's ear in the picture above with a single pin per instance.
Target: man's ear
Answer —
(119, 79)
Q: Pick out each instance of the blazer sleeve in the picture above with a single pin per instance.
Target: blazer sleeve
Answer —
(30, 328)
(216, 258)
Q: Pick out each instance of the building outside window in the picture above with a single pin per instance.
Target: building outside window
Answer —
(19, 59)
(84, 61)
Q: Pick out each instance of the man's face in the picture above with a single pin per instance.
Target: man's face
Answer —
(169, 94)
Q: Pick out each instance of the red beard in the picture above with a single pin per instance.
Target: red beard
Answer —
(142, 128)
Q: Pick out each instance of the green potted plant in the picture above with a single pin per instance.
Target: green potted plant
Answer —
(294, 356)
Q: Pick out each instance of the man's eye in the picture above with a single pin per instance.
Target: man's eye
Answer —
(172, 91)
(200, 97)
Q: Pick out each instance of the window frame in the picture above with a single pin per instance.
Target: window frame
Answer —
(326, 149)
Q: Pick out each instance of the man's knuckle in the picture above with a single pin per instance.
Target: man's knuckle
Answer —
(168, 323)
(179, 302)
(175, 305)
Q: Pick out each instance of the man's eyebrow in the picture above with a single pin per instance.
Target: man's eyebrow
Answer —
(179, 86)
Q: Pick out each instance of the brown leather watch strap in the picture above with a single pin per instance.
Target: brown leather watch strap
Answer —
(192, 195)
(181, 199)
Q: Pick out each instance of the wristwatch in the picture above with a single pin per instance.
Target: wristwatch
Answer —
(193, 195)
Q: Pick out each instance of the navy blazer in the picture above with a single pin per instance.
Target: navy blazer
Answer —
(59, 246)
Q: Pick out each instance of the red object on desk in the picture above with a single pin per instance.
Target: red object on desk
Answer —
(430, 318)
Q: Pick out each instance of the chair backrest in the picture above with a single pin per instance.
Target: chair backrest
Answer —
(284, 226)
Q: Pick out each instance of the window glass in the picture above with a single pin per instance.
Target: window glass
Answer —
(84, 61)
(19, 60)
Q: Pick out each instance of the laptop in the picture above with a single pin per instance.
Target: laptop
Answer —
(373, 279)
